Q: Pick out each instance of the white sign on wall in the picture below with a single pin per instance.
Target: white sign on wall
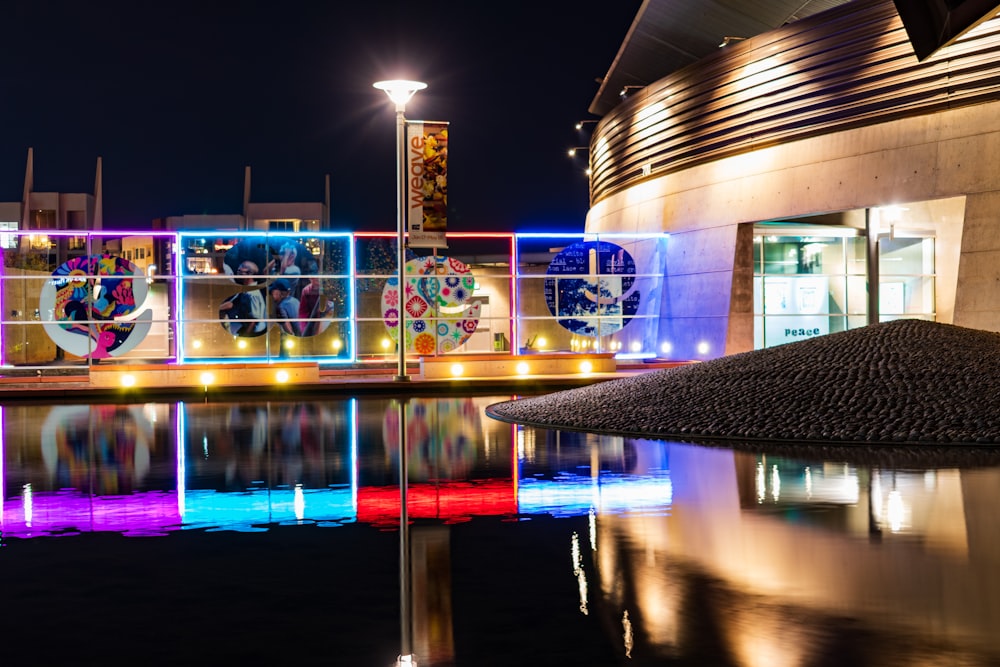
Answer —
(795, 308)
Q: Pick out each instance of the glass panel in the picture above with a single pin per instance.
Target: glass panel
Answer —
(904, 256)
(857, 255)
(857, 295)
(252, 296)
(590, 293)
(466, 284)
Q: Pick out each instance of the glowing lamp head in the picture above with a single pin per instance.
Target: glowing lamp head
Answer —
(400, 90)
(281, 376)
(586, 367)
(522, 368)
(457, 370)
(207, 379)
(128, 380)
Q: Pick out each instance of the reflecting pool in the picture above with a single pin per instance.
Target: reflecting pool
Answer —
(269, 533)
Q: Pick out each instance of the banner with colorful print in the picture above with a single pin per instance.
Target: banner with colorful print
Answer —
(427, 184)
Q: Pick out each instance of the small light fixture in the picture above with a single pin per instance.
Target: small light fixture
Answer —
(281, 376)
(586, 367)
(522, 368)
(336, 344)
(207, 379)
(241, 344)
(457, 370)
(541, 343)
(581, 123)
(729, 39)
(289, 344)
(196, 344)
(625, 90)
(703, 348)
(666, 347)
(572, 151)
(128, 380)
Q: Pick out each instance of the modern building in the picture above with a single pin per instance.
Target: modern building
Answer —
(813, 173)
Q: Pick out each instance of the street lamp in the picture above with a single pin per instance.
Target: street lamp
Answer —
(400, 92)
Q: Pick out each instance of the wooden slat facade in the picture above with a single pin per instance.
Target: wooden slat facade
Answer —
(850, 67)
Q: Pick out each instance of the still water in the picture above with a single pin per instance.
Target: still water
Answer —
(269, 533)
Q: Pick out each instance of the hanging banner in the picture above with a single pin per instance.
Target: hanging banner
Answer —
(427, 184)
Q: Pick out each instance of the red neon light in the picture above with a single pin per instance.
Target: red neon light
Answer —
(454, 502)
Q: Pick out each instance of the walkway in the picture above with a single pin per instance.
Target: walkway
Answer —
(49, 386)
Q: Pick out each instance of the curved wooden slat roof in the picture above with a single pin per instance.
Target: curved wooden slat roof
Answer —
(667, 35)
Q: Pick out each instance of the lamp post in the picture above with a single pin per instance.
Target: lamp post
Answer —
(400, 91)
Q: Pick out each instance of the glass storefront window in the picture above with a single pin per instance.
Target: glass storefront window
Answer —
(812, 283)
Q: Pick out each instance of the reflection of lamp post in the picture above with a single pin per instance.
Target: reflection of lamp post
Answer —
(406, 656)
(400, 92)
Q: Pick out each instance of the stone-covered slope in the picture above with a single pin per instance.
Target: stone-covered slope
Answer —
(905, 381)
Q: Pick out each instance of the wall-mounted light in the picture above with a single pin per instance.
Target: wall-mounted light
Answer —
(625, 90)
(729, 39)
(581, 123)
(572, 151)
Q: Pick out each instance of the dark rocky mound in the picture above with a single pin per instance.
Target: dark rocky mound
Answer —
(900, 382)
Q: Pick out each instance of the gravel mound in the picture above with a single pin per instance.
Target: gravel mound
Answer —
(901, 382)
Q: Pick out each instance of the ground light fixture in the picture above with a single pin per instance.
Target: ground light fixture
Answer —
(400, 91)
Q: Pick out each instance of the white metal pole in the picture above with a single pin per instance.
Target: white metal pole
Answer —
(401, 239)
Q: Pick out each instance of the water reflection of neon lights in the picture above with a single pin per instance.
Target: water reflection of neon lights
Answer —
(573, 495)
(578, 572)
(181, 469)
(299, 503)
(29, 506)
(3, 473)
(627, 634)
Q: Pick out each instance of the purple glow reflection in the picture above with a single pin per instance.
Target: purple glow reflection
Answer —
(68, 512)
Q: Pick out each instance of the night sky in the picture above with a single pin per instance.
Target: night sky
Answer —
(179, 97)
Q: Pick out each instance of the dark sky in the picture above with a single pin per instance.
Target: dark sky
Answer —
(178, 97)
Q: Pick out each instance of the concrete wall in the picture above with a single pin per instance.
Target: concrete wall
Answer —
(952, 155)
